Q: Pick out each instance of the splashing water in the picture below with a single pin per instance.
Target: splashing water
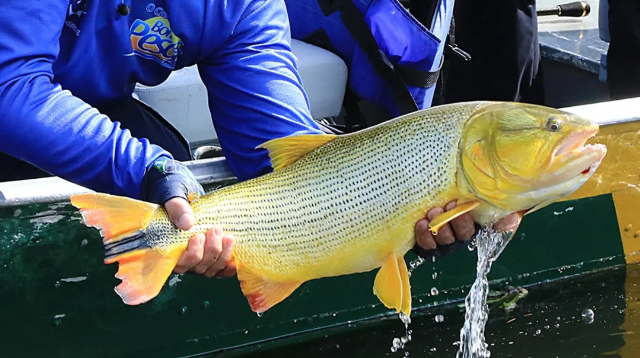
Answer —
(415, 264)
(490, 245)
(399, 343)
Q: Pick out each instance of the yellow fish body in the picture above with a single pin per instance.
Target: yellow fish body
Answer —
(347, 204)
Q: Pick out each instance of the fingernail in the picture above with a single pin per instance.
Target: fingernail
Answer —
(228, 242)
(185, 221)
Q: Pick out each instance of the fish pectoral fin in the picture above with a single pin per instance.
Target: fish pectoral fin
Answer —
(143, 273)
(392, 284)
(261, 293)
(285, 151)
(122, 223)
(444, 218)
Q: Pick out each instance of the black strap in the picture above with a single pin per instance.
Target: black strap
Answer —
(398, 76)
(418, 78)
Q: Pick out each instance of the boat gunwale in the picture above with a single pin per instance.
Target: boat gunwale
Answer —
(216, 170)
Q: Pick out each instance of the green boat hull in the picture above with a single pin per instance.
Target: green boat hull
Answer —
(58, 300)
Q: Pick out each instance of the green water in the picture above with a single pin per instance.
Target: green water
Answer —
(547, 323)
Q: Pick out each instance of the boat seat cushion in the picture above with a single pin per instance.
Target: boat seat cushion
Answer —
(182, 98)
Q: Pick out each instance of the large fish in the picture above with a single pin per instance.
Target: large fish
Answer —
(337, 205)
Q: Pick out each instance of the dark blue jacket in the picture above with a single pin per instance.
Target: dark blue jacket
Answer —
(58, 59)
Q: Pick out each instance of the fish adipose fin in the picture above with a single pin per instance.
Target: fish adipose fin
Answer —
(444, 218)
(392, 284)
(285, 151)
(122, 221)
(261, 293)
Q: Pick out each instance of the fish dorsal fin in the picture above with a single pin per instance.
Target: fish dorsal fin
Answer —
(285, 151)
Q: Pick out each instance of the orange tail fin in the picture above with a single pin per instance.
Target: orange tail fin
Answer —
(122, 223)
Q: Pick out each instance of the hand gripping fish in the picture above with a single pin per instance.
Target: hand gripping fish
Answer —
(337, 205)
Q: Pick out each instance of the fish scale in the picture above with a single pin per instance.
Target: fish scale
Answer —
(359, 192)
(337, 205)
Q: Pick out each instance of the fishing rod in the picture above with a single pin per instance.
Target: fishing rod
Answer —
(572, 9)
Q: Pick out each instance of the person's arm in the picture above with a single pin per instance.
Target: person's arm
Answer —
(255, 90)
(59, 133)
(49, 127)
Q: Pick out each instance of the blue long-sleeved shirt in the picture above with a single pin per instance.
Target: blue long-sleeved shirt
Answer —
(60, 58)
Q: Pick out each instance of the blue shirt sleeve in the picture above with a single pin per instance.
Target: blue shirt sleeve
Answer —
(255, 91)
(42, 124)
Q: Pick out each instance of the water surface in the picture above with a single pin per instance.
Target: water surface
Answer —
(547, 323)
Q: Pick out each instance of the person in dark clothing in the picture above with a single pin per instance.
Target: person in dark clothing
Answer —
(501, 37)
(623, 57)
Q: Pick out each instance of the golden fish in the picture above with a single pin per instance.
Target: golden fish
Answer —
(337, 205)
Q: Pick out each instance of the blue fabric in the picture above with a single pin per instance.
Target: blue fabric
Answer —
(399, 35)
(59, 60)
(167, 179)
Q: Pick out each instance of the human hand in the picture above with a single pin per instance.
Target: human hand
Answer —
(208, 255)
(460, 229)
(171, 183)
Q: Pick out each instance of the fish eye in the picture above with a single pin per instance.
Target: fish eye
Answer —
(553, 124)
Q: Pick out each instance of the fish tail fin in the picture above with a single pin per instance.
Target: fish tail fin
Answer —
(261, 293)
(122, 223)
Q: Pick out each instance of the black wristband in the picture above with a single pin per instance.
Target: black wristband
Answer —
(166, 179)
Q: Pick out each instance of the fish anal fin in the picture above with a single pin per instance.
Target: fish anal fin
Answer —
(388, 283)
(261, 293)
(285, 151)
(406, 286)
(143, 273)
(116, 217)
(444, 218)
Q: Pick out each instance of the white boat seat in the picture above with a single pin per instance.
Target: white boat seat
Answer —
(182, 98)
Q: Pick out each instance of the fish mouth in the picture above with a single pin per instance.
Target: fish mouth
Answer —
(573, 150)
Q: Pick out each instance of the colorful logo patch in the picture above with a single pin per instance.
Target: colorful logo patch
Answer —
(153, 39)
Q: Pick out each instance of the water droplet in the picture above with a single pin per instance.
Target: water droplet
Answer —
(434, 291)
(433, 349)
(557, 325)
(406, 354)
(434, 275)
(538, 332)
(394, 349)
(439, 318)
(205, 304)
(259, 314)
(183, 310)
(84, 243)
(587, 316)
(415, 264)
(57, 285)
(523, 236)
